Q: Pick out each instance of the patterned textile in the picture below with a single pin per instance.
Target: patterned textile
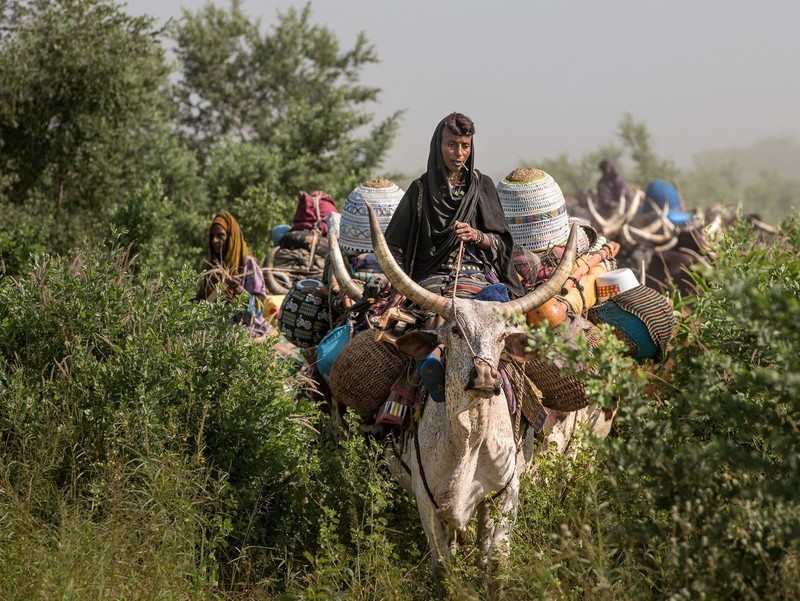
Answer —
(643, 318)
(535, 210)
(654, 310)
(253, 283)
(527, 264)
(364, 266)
(472, 277)
(383, 196)
(520, 390)
(303, 317)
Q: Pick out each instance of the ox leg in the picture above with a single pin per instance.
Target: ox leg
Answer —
(441, 537)
(495, 520)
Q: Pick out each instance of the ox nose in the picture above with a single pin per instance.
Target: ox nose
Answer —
(484, 378)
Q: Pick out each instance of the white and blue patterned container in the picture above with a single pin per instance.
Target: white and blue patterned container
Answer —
(535, 209)
(383, 196)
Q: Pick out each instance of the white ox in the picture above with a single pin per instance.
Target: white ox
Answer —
(462, 458)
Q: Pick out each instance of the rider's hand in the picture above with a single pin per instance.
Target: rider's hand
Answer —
(465, 232)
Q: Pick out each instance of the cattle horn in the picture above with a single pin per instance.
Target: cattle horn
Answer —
(340, 270)
(399, 279)
(403, 283)
(273, 286)
(622, 215)
(553, 285)
(654, 238)
(595, 213)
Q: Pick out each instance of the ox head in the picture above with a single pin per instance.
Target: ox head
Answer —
(474, 332)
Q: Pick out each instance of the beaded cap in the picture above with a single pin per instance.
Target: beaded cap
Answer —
(383, 196)
(535, 209)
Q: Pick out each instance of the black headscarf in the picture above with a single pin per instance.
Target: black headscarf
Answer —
(433, 234)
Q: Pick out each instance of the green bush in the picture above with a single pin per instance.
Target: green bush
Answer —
(709, 464)
(108, 377)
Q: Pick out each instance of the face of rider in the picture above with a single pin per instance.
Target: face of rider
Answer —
(218, 241)
(455, 150)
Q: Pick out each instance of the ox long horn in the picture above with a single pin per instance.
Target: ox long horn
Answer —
(552, 286)
(273, 286)
(399, 279)
(662, 221)
(595, 213)
(764, 227)
(634, 206)
(645, 235)
(610, 226)
(340, 271)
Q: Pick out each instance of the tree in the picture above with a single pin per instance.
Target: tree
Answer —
(582, 175)
(636, 140)
(291, 92)
(83, 113)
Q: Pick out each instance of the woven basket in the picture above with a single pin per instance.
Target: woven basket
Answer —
(561, 391)
(363, 373)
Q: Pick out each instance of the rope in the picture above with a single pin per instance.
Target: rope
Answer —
(458, 270)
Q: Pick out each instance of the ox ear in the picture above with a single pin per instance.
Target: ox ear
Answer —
(516, 346)
(417, 344)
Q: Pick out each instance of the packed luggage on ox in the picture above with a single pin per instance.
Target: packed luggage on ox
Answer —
(300, 249)
(320, 314)
(357, 355)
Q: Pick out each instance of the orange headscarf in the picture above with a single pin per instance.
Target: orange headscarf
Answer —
(237, 252)
(234, 259)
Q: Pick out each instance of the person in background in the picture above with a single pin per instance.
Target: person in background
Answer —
(235, 273)
(610, 187)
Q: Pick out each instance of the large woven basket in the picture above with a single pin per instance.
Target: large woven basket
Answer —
(561, 391)
(363, 373)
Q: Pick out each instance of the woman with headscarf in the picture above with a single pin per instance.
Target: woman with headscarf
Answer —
(450, 222)
(453, 203)
(234, 271)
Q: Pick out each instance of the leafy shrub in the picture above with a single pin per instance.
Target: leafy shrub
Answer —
(710, 462)
(107, 377)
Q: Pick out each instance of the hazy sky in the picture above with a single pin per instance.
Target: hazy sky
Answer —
(545, 78)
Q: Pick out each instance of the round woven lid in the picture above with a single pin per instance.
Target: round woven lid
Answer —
(535, 209)
(383, 196)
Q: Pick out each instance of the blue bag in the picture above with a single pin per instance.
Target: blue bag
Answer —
(330, 347)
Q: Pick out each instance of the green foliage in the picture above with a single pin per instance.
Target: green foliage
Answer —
(23, 236)
(81, 93)
(636, 140)
(578, 177)
(242, 177)
(711, 465)
(112, 385)
(291, 95)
